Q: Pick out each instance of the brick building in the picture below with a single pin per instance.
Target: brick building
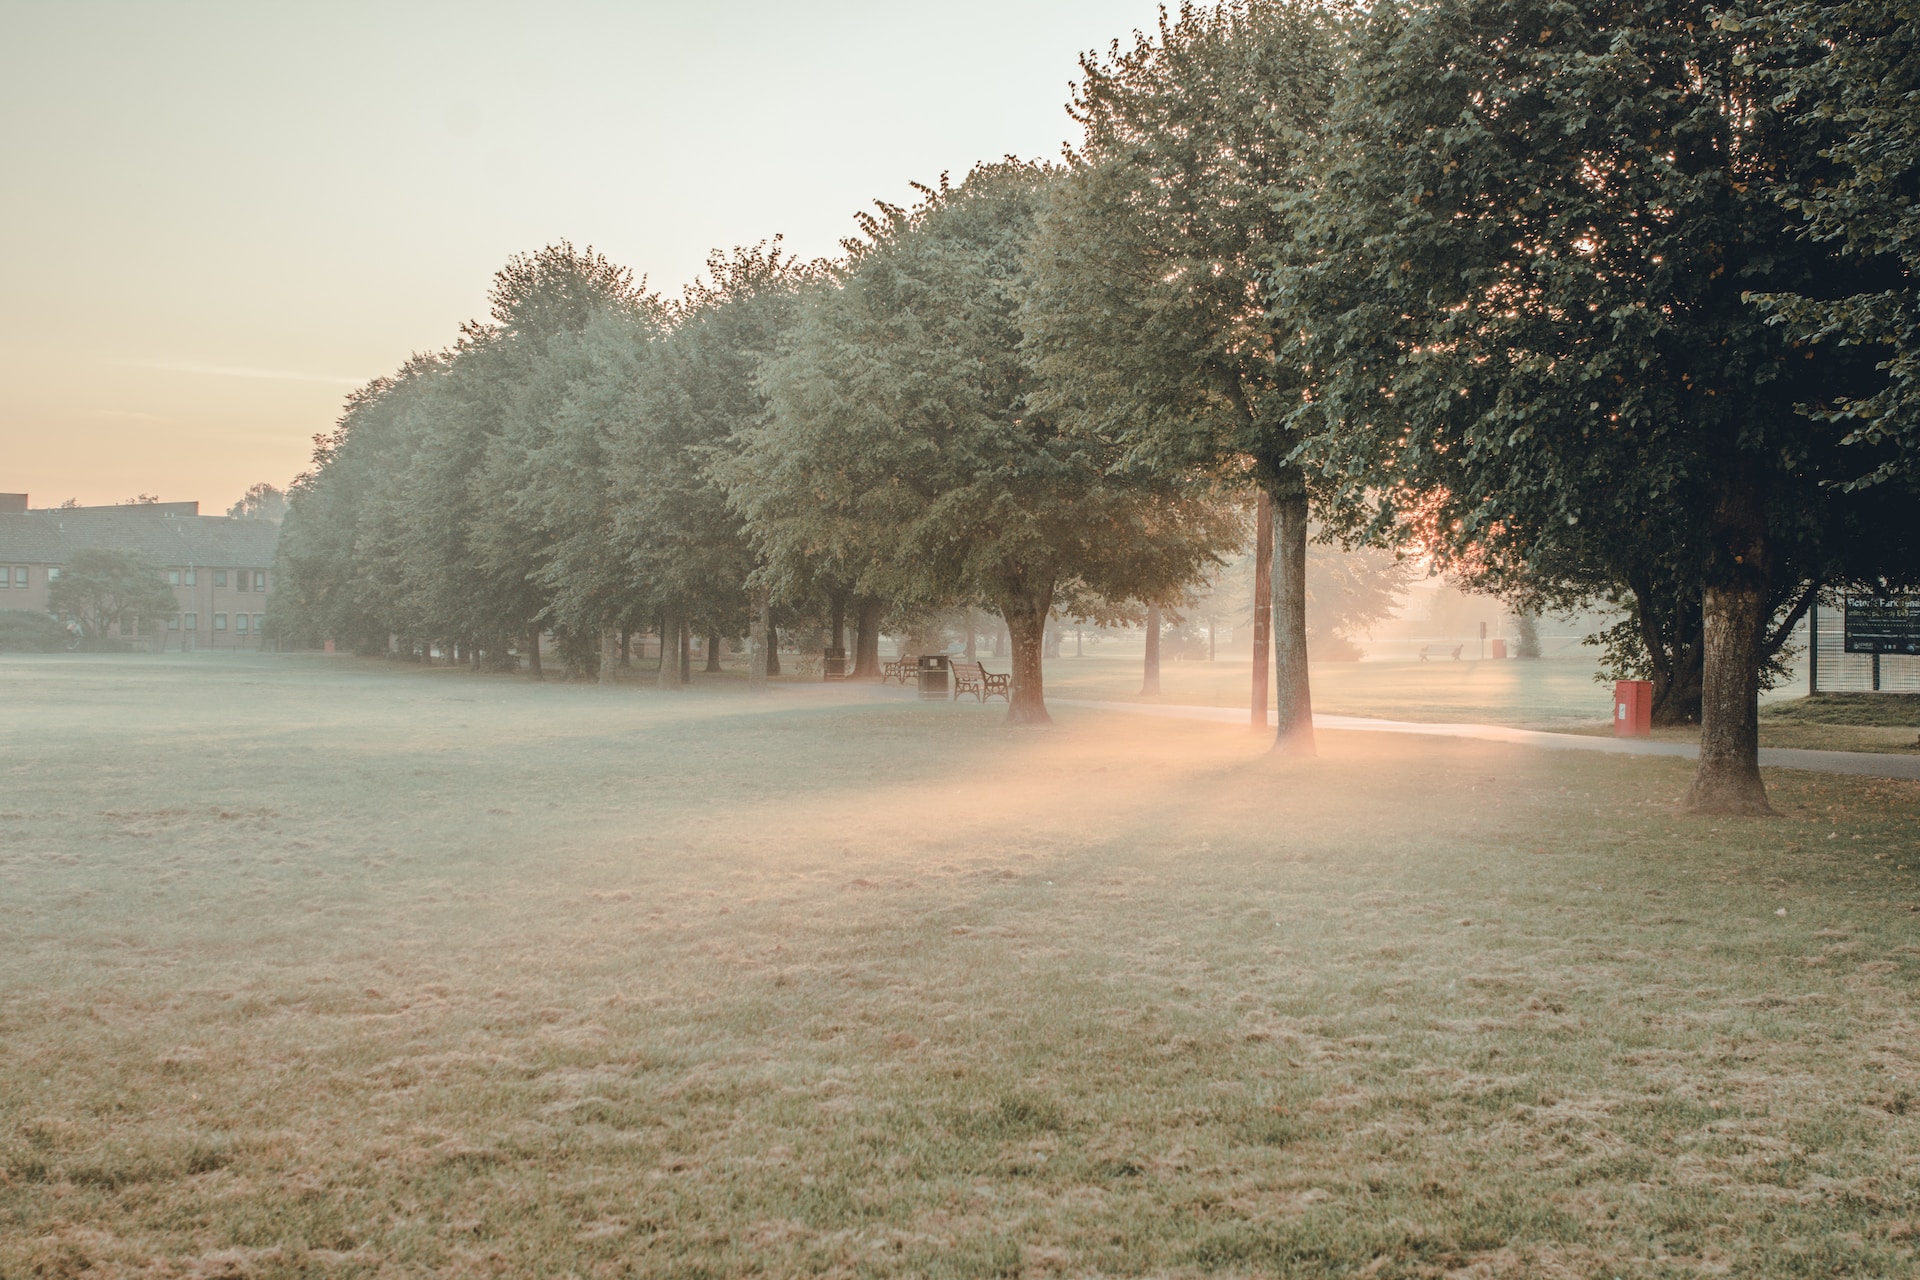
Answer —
(220, 568)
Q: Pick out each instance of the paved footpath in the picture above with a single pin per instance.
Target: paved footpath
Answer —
(1868, 764)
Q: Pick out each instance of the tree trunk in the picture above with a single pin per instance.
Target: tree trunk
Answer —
(671, 627)
(1027, 626)
(1293, 731)
(533, 655)
(1734, 613)
(1262, 605)
(626, 649)
(713, 653)
(837, 621)
(1526, 632)
(1079, 642)
(1213, 647)
(1052, 648)
(609, 656)
(1150, 677)
(757, 629)
(773, 649)
(973, 652)
(685, 646)
(1670, 632)
(1727, 779)
(866, 639)
(1000, 634)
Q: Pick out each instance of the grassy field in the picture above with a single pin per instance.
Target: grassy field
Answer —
(1552, 693)
(324, 968)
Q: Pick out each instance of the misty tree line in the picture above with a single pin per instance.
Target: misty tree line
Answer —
(1588, 302)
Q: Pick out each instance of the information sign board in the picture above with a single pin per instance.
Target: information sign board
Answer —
(1883, 624)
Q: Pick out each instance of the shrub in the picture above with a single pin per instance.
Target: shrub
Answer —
(24, 631)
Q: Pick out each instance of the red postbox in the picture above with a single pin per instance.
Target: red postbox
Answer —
(1632, 708)
(1499, 648)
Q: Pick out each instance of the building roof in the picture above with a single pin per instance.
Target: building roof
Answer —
(51, 536)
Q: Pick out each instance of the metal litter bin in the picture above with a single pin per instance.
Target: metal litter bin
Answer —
(833, 664)
(936, 673)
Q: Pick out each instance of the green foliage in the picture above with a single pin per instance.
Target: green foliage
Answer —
(694, 400)
(24, 631)
(1524, 282)
(261, 501)
(1849, 73)
(906, 443)
(546, 494)
(1524, 286)
(1526, 628)
(102, 589)
(426, 516)
(1146, 312)
(333, 583)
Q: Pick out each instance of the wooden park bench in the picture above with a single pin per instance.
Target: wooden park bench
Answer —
(971, 677)
(1428, 651)
(901, 668)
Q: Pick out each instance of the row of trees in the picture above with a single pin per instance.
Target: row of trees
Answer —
(1586, 301)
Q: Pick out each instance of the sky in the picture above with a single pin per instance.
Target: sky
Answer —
(218, 219)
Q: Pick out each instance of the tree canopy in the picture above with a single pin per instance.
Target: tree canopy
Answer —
(1523, 284)
(1590, 302)
(102, 589)
(1148, 314)
(906, 440)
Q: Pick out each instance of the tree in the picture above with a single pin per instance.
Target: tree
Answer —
(26, 631)
(1526, 628)
(694, 401)
(412, 523)
(102, 589)
(1150, 666)
(329, 585)
(547, 485)
(905, 440)
(1148, 312)
(1849, 71)
(1348, 590)
(261, 501)
(513, 441)
(1521, 284)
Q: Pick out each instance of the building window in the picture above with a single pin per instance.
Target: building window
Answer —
(240, 580)
(53, 573)
(193, 622)
(6, 576)
(240, 622)
(173, 577)
(173, 622)
(219, 577)
(20, 576)
(259, 579)
(219, 622)
(259, 623)
(188, 576)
